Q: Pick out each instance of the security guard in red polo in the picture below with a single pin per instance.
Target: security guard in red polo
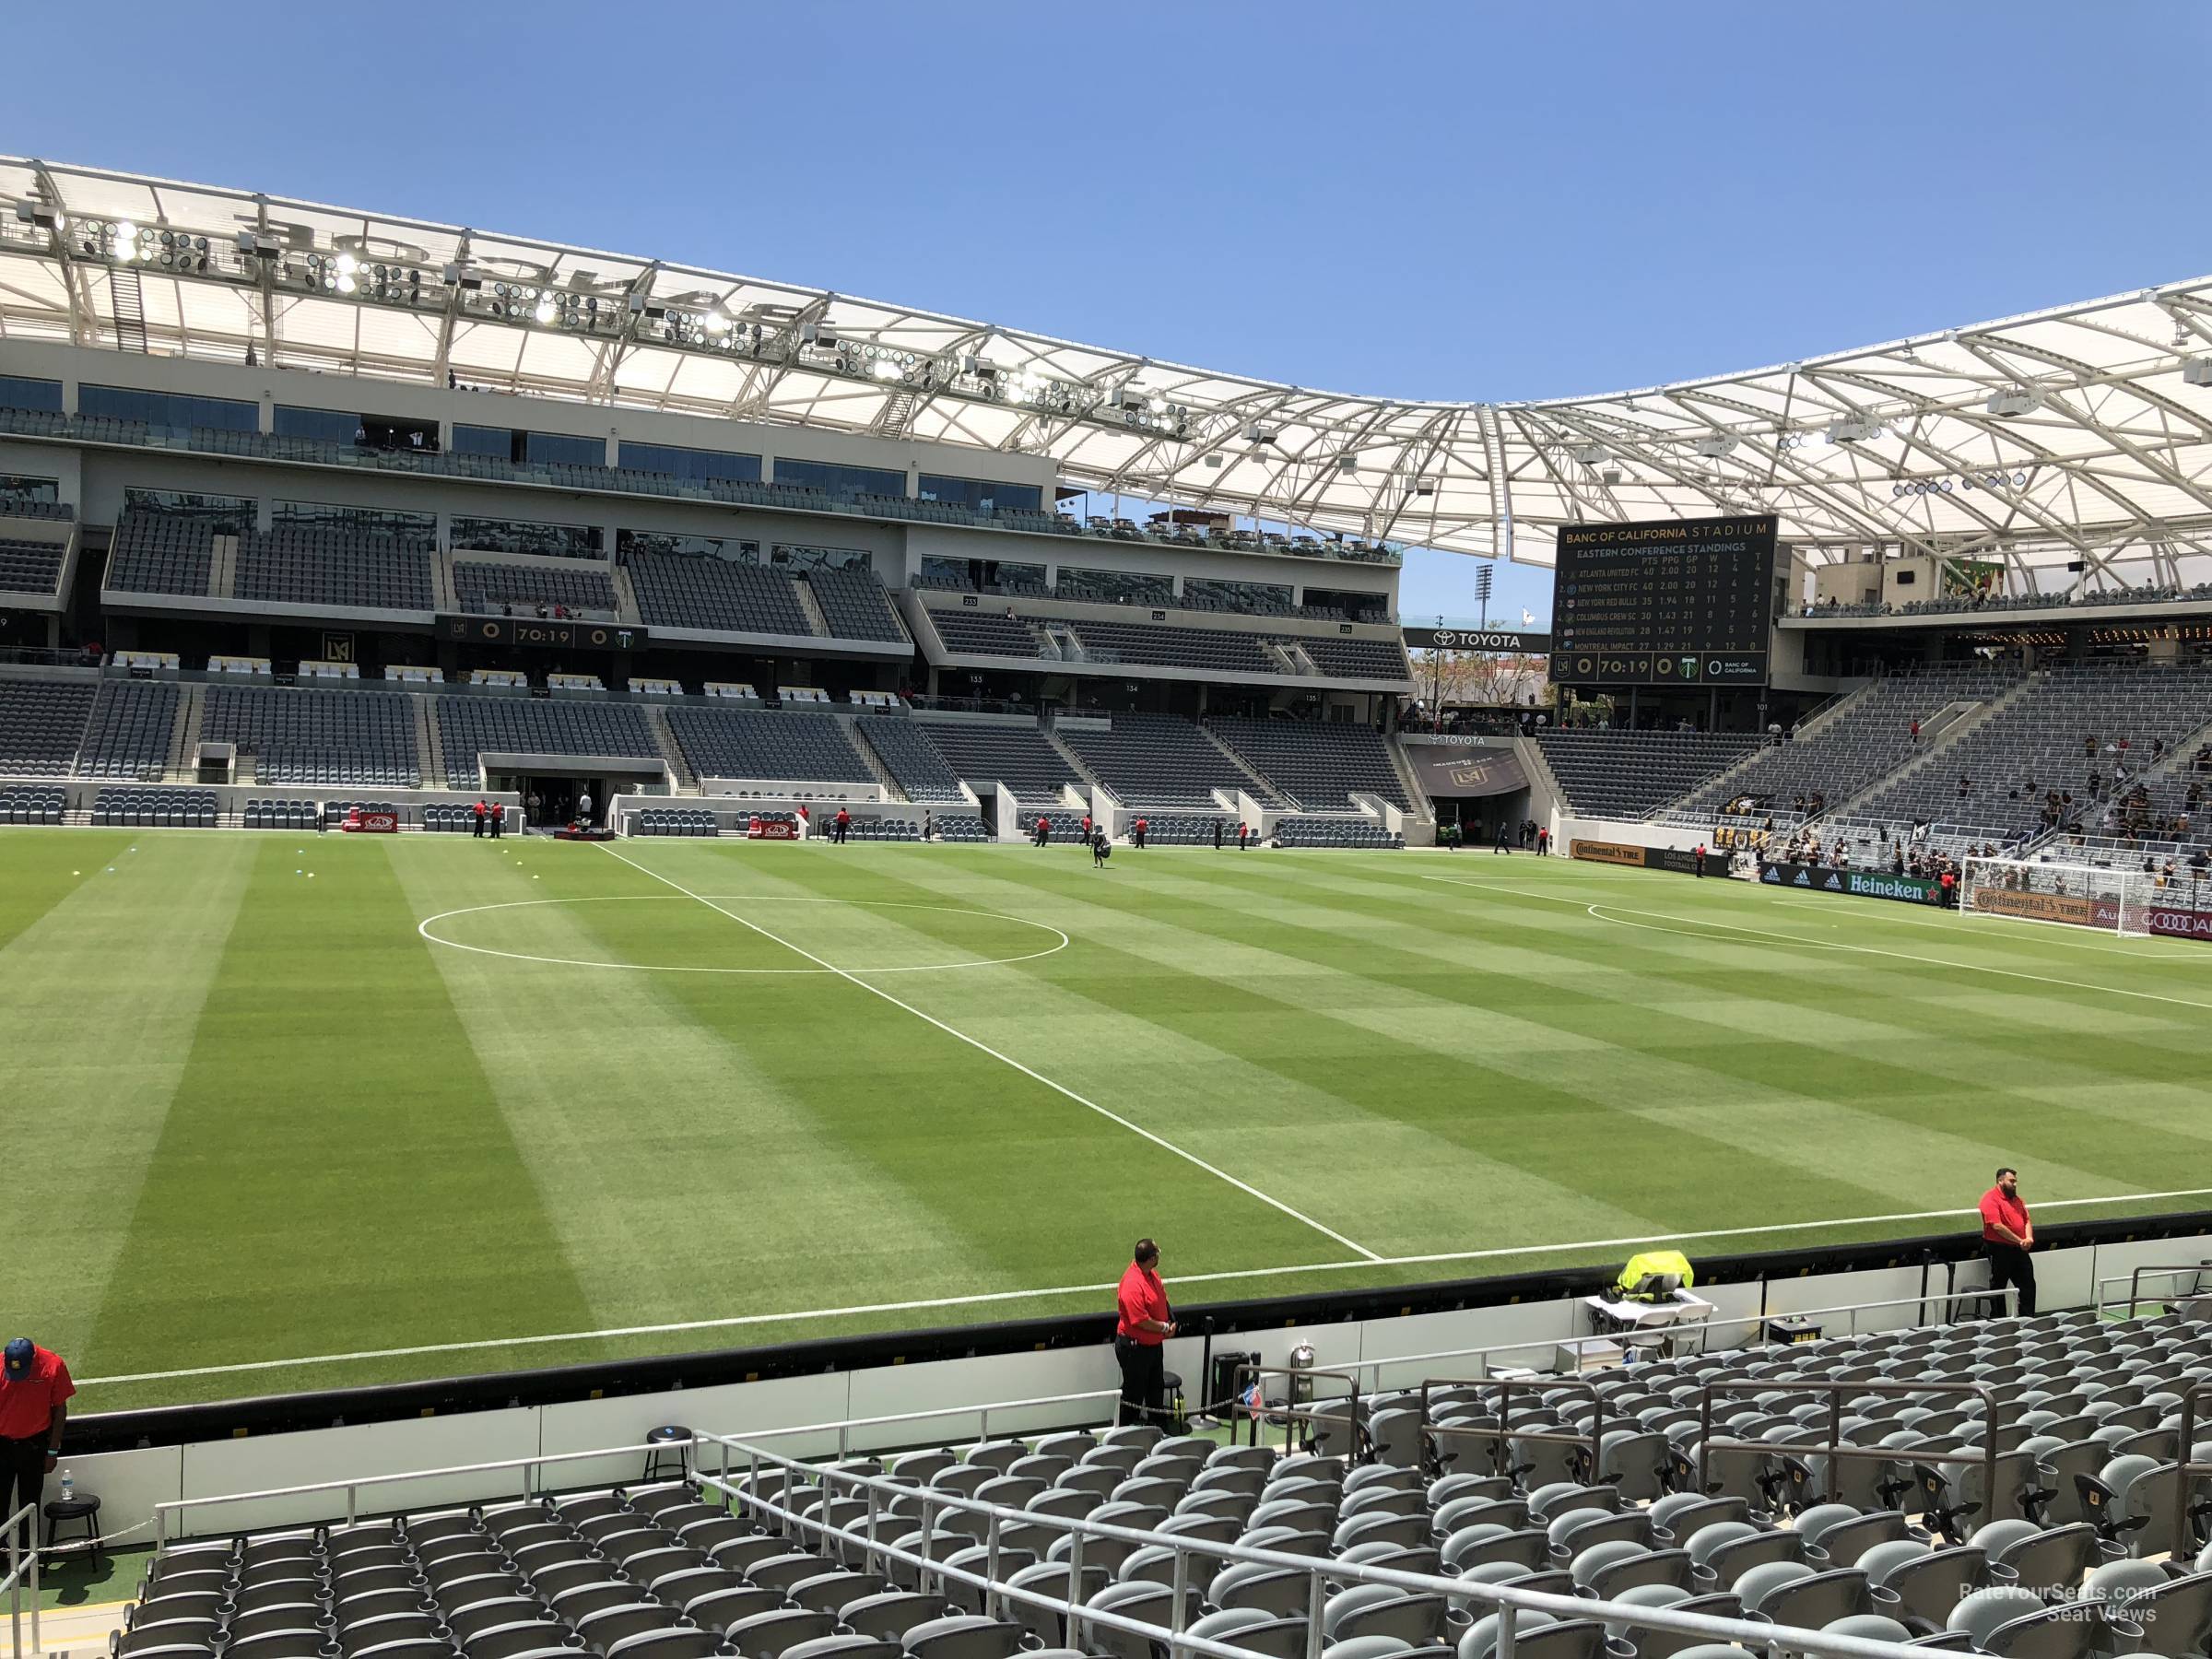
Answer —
(1146, 1323)
(34, 1403)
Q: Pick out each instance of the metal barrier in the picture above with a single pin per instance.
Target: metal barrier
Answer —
(530, 1466)
(1506, 1386)
(23, 1569)
(1291, 1410)
(1504, 1601)
(1703, 1327)
(2188, 1468)
(1835, 1451)
(2196, 1270)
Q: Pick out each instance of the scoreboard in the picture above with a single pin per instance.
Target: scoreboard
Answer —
(1669, 603)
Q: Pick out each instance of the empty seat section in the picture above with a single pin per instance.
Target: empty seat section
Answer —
(987, 633)
(42, 723)
(913, 762)
(317, 737)
(714, 595)
(1163, 759)
(1020, 756)
(768, 744)
(129, 734)
(134, 803)
(855, 607)
(1607, 773)
(154, 553)
(1164, 645)
(32, 802)
(30, 567)
(1344, 658)
(470, 727)
(574, 584)
(1312, 829)
(1313, 765)
(334, 566)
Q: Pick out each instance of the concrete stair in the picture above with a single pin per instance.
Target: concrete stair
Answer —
(429, 753)
(815, 622)
(663, 735)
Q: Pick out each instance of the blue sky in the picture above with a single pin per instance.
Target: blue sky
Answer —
(1454, 201)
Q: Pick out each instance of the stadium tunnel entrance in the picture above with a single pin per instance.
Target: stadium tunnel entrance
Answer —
(559, 783)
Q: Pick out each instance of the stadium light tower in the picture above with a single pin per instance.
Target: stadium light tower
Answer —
(1482, 590)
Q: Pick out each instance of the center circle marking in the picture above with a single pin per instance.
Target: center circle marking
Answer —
(423, 927)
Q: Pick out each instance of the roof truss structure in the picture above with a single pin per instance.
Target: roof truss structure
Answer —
(2074, 444)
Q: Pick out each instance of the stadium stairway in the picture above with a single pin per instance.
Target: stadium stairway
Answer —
(430, 761)
(1074, 762)
(1263, 788)
(812, 608)
(876, 762)
(1940, 734)
(626, 596)
(442, 591)
(656, 721)
(192, 710)
(223, 569)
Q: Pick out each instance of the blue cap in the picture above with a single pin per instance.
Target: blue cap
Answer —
(20, 1352)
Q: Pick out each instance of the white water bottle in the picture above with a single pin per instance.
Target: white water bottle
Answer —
(68, 1488)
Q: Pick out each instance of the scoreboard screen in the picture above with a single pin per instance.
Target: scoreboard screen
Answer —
(1670, 603)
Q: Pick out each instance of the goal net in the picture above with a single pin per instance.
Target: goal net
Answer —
(2073, 894)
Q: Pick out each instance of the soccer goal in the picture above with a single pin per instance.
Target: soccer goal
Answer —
(2073, 894)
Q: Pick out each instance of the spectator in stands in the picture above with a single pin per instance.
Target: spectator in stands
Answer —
(2009, 1235)
(1916, 731)
(34, 1402)
(1145, 1323)
(839, 826)
(1137, 831)
(476, 819)
(1966, 786)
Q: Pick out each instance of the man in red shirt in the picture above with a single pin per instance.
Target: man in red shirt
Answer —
(1140, 827)
(1146, 1323)
(839, 826)
(2009, 1235)
(34, 1395)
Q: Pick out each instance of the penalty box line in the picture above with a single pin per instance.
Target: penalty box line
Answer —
(1005, 1059)
(983, 1298)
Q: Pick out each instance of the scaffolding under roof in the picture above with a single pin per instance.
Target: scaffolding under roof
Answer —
(2075, 445)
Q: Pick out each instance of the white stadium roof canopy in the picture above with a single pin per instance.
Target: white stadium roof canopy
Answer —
(2074, 443)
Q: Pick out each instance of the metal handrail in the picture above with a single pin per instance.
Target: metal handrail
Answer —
(22, 1567)
(2134, 1283)
(1503, 1599)
(1717, 1322)
(1835, 1451)
(1291, 1410)
(531, 1464)
(1506, 1387)
(2187, 1468)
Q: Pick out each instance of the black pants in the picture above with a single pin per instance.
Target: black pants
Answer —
(23, 1478)
(2010, 1264)
(1144, 1367)
(839, 829)
(499, 823)
(1140, 841)
(479, 818)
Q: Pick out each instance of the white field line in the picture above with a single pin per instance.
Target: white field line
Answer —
(982, 1047)
(2165, 952)
(987, 1297)
(1742, 931)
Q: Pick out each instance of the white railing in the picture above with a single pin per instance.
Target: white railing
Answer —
(1462, 1595)
(529, 1466)
(23, 1570)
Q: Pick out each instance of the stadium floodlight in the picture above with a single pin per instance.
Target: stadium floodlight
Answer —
(1589, 454)
(347, 265)
(544, 310)
(2010, 401)
(1715, 445)
(885, 369)
(1853, 431)
(2197, 372)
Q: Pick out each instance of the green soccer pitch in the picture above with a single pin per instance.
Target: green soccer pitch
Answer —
(286, 1111)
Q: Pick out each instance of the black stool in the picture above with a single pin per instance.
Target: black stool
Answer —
(84, 1507)
(671, 1442)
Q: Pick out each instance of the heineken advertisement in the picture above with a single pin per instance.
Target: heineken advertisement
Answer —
(1854, 884)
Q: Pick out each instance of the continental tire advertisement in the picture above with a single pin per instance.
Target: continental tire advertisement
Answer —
(2039, 907)
(1612, 852)
(1854, 884)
